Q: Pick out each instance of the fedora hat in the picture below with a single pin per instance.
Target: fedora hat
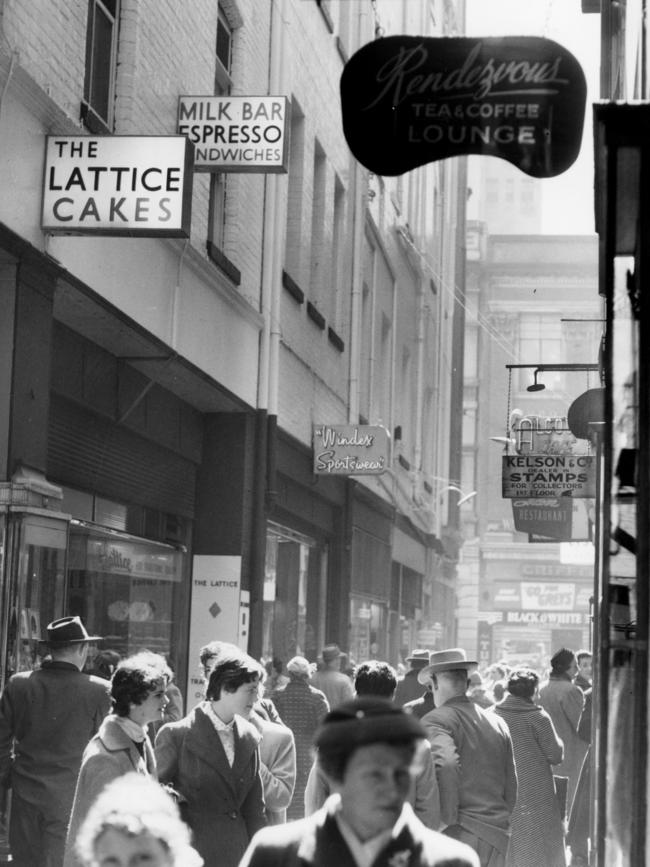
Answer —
(331, 652)
(421, 656)
(68, 630)
(445, 660)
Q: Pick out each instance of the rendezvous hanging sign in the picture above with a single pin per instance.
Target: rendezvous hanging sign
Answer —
(410, 100)
(529, 476)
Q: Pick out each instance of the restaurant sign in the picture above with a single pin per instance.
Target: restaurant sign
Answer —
(351, 450)
(236, 133)
(546, 476)
(118, 185)
(409, 100)
(550, 518)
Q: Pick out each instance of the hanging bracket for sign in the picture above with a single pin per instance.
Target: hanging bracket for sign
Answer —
(410, 100)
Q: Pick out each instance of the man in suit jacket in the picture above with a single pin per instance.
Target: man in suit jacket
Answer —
(369, 750)
(474, 759)
(47, 717)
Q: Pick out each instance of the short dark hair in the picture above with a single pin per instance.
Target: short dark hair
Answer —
(457, 677)
(561, 660)
(135, 678)
(230, 672)
(523, 682)
(375, 678)
(213, 651)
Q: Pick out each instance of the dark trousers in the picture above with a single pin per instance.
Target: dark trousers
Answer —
(488, 855)
(35, 839)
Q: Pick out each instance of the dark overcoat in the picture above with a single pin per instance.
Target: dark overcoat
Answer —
(317, 841)
(223, 806)
(47, 717)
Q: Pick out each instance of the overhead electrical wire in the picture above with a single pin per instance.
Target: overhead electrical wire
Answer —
(454, 291)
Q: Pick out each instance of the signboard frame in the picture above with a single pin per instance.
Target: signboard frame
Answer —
(238, 137)
(127, 173)
(548, 476)
(350, 449)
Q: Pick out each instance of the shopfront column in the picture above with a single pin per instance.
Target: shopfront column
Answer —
(26, 303)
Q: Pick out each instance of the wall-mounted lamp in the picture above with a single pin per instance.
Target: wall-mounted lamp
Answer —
(536, 386)
(463, 498)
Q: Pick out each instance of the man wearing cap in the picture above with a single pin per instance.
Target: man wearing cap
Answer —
(474, 759)
(378, 679)
(369, 750)
(47, 717)
(409, 687)
(330, 679)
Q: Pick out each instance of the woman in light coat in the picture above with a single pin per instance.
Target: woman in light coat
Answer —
(121, 745)
(537, 830)
(211, 758)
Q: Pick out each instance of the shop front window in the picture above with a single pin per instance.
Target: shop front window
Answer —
(124, 588)
(35, 569)
(295, 585)
(368, 629)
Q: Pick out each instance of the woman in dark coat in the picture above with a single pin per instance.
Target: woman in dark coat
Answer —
(537, 830)
(211, 758)
(302, 708)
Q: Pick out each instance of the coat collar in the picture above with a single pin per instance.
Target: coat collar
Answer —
(323, 845)
(203, 739)
(114, 738)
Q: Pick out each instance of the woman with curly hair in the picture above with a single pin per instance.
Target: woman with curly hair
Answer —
(134, 821)
(121, 745)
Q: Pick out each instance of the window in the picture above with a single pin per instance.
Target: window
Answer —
(319, 261)
(101, 53)
(222, 85)
(540, 341)
(293, 248)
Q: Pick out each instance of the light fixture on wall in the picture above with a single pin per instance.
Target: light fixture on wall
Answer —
(536, 386)
(463, 497)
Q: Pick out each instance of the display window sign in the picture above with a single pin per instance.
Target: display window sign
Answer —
(410, 100)
(118, 185)
(351, 450)
(529, 476)
(236, 133)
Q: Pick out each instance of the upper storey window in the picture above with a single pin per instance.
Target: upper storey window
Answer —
(101, 53)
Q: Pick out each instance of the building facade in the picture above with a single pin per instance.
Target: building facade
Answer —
(159, 394)
(525, 587)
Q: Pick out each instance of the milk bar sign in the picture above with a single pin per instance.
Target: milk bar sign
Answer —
(529, 476)
(410, 100)
(236, 133)
(350, 450)
(118, 185)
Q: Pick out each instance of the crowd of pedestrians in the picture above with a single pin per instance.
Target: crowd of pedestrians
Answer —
(297, 764)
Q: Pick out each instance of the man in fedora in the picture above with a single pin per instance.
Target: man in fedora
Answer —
(369, 750)
(409, 688)
(47, 717)
(474, 759)
(330, 679)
